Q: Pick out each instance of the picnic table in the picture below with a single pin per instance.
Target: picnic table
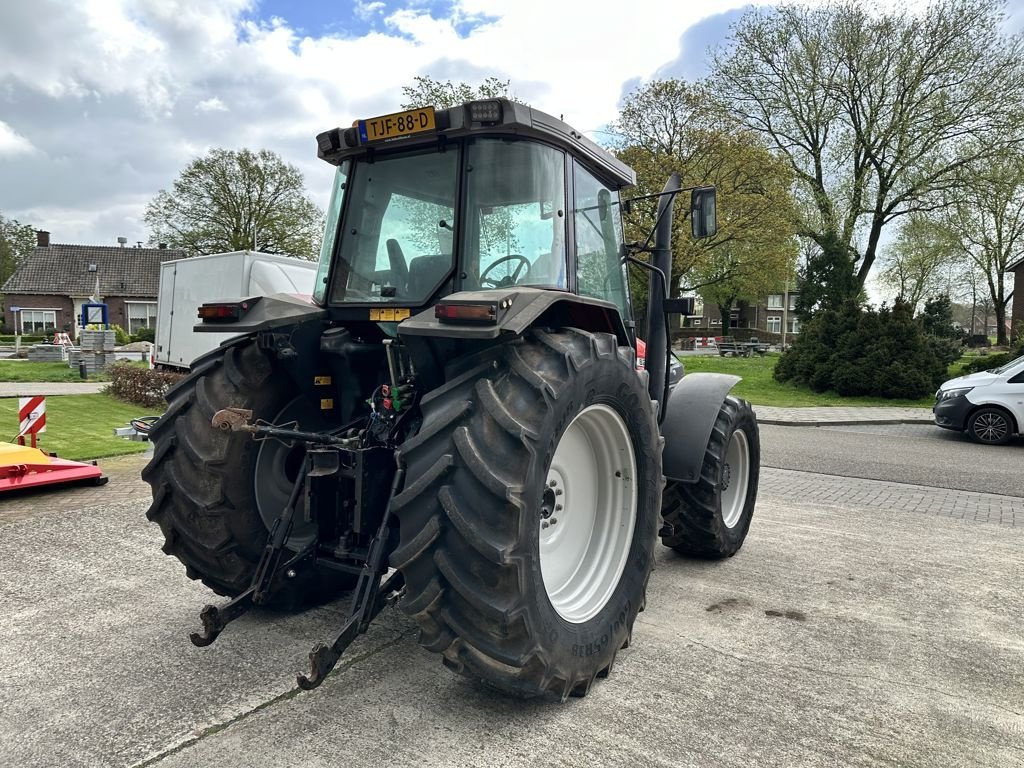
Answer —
(727, 345)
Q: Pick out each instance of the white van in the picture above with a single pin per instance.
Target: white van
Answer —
(988, 405)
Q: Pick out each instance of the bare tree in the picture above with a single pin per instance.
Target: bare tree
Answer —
(875, 112)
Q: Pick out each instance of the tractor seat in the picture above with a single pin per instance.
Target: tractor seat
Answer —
(425, 272)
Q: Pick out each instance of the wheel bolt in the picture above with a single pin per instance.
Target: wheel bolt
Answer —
(554, 521)
(553, 483)
(558, 507)
(558, 492)
(544, 524)
(290, 573)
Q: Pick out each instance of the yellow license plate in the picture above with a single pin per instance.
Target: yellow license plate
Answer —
(397, 125)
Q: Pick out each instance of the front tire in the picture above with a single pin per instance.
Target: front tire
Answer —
(711, 517)
(518, 571)
(991, 426)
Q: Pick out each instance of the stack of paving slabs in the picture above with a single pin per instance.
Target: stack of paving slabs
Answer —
(97, 350)
(47, 353)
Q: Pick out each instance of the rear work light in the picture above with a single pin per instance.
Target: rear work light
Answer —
(485, 111)
(223, 311)
(486, 314)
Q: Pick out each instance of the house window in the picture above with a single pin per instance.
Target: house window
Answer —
(716, 322)
(775, 301)
(140, 314)
(38, 321)
(774, 324)
(792, 301)
(696, 322)
(793, 326)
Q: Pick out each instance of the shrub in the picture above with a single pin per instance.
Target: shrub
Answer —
(121, 336)
(140, 386)
(855, 352)
(987, 362)
(145, 334)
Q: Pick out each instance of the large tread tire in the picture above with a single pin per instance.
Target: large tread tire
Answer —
(693, 511)
(470, 513)
(202, 478)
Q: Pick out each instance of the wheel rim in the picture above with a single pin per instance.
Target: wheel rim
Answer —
(277, 466)
(735, 478)
(991, 427)
(588, 513)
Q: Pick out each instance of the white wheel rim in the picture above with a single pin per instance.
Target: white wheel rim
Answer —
(735, 478)
(588, 513)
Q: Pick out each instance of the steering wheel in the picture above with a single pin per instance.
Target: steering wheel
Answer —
(509, 279)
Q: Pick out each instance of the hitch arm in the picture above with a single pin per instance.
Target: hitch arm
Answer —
(216, 619)
(368, 601)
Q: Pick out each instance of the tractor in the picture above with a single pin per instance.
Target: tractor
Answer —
(461, 420)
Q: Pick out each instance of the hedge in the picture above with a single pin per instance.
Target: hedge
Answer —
(140, 386)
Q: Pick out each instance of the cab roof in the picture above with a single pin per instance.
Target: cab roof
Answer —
(513, 119)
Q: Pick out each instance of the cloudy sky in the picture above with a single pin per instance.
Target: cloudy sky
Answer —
(103, 102)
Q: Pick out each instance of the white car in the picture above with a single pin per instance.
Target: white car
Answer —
(988, 405)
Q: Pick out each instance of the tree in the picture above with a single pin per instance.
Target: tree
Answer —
(427, 92)
(16, 240)
(920, 263)
(671, 126)
(232, 201)
(875, 112)
(982, 221)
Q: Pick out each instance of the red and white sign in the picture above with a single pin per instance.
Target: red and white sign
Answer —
(31, 415)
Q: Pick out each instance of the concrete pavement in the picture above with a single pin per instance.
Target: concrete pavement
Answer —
(30, 388)
(851, 630)
(842, 415)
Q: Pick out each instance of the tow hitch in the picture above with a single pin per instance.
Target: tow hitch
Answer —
(327, 454)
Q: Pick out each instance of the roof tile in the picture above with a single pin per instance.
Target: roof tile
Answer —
(64, 270)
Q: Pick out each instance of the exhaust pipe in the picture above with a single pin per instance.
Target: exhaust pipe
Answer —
(661, 259)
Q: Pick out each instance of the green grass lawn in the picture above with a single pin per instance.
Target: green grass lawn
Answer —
(79, 427)
(760, 388)
(30, 370)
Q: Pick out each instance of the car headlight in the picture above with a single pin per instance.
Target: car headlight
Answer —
(949, 394)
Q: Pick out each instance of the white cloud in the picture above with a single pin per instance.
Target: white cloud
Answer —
(11, 143)
(367, 10)
(212, 104)
(126, 92)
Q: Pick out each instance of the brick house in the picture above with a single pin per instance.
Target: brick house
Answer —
(54, 281)
(764, 319)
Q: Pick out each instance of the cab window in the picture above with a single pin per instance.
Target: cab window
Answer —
(397, 243)
(597, 219)
(515, 211)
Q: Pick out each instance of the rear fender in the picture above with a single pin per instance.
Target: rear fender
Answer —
(521, 308)
(690, 413)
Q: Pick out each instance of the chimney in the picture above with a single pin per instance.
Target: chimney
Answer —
(42, 238)
(122, 241)
(162, 246)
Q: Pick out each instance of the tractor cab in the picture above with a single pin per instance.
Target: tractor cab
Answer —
(488, 195)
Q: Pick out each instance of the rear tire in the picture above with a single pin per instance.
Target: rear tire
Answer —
(204, 480)
(489, 585)
(711, 517)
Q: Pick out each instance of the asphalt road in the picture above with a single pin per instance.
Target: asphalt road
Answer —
(921, 454)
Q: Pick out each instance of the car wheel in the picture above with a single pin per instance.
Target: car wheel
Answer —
(991, 426)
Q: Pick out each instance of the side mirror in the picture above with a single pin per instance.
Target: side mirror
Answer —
(703, 218)
(679, 306)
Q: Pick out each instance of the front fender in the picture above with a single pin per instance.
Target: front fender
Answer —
(690, 413)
